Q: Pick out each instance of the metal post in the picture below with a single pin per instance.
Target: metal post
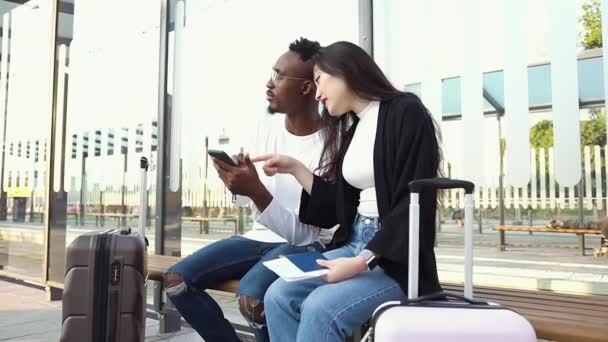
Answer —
(82, 189)
(581, 195)
(480, 221)
(437, 225)
(240, 221)
(205, 205)
(55, 202)
(160, 172)
(5, 50)
(168, 204)
(32, 205)
(501, 199)
(438, 218)
(101, 209)
(501, 240)
(366, 26)
(123, 190)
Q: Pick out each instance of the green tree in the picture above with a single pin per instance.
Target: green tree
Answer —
(541, 134)
(592, 24)
(593, 131)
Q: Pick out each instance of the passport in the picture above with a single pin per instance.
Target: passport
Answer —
(307, 262)
(297, 266)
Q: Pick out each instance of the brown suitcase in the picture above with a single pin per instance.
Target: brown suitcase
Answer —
(104, 295)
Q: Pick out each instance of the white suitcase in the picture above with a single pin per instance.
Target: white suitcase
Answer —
(445, 316)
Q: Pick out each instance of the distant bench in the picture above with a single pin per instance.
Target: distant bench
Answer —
(204, 222)
(117, 216)
(41, 215)
(554, 316)
(580, 233)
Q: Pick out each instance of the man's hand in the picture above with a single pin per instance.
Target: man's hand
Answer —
(240, 180)
(243, 180)
(342, 268)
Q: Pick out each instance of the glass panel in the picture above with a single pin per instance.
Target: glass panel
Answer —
(111, 101)
(565, 71)
(218, 68)
(25, 112)
(590, 80)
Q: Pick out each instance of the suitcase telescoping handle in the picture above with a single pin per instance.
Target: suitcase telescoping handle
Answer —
(143, 197)
(416, 187)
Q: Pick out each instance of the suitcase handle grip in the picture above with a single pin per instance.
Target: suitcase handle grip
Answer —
(441, 183)
(442, 296)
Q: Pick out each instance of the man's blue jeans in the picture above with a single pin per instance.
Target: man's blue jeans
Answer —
(232, 258)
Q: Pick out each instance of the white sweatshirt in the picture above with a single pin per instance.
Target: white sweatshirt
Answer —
(279, 222)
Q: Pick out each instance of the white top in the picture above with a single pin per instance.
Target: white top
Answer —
(358, 166)
(280, 222)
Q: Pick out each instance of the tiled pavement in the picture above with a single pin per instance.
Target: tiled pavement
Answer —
(26, 316)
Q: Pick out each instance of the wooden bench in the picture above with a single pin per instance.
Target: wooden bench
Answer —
(41, 215)
(580, 233)
(117, 216)
(554, 316)
(204, 222)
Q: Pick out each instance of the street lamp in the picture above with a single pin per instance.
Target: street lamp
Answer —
(205, 206)
(223, 139)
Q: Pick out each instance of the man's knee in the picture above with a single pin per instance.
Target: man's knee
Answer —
(252, 309)
(173, 283)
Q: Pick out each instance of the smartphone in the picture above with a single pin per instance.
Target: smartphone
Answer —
(221, 155)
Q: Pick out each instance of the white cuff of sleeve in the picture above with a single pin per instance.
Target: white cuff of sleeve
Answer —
(264, 216)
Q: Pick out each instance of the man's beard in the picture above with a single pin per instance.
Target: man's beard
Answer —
(270, 110)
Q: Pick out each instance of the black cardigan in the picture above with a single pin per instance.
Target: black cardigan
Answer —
(405, 149)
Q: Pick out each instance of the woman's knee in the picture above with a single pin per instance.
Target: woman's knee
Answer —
(318, 310)
(316, 305)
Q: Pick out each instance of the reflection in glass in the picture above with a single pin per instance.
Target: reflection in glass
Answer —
(25, 99)
(110, 113)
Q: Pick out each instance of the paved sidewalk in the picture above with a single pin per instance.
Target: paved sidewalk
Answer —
(26, 316)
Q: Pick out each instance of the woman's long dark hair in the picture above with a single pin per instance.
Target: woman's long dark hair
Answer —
(365, 79)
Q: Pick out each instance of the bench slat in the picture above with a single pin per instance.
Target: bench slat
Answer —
(209, 219)
(549, 303)
(566, 331)
(548, 230)
(549, 295)
(550, 312)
